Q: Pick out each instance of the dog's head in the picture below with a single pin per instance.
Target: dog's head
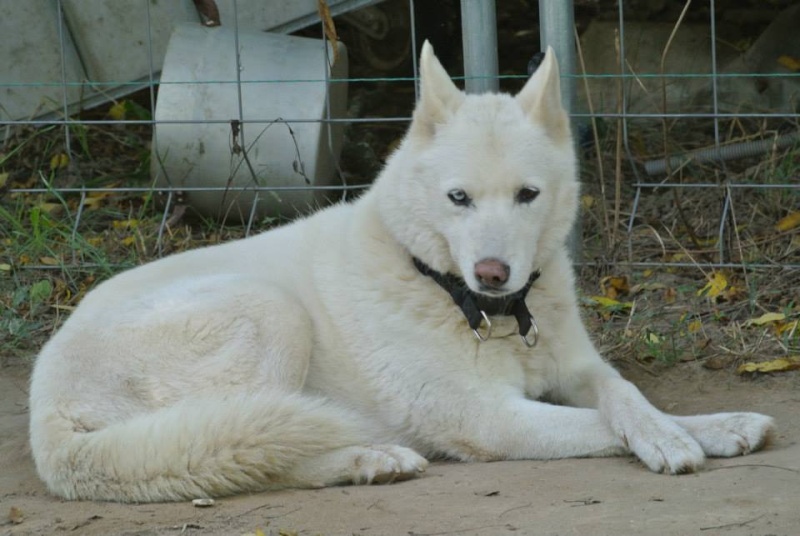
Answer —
(483, 186)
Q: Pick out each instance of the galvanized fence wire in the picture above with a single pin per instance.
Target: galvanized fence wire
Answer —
(669, 167)
(665, 172)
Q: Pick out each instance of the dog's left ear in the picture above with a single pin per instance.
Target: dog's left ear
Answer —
(541, 98)
(439, 96)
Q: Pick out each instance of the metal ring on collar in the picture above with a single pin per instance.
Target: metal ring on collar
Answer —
(535, 330)
(484, 338)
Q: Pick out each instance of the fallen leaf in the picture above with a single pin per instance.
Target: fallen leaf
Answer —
(49, 261)
(788, 222)
(3, 179)
(125, 224)
(715, 286)
(614, 286)
(128, 241)
(610, 303)
(793, 64)
(5, 267)
(15, 515)
(782, 364)
(587, 201)
(59, 161)
(117, 111)
(694, 326)
(653, 338)
(716, 363)
(766, 318)
(670, 295)
(330, 28)
(51, 208)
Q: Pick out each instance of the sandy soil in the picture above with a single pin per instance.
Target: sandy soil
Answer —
(754, 495)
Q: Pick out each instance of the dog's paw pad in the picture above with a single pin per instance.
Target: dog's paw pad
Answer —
(383, 464)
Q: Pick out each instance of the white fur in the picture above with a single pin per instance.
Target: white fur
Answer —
(315, 354)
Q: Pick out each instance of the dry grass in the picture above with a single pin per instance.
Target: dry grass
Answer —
(668, 322)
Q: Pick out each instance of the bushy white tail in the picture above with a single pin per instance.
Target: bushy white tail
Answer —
(213, 446)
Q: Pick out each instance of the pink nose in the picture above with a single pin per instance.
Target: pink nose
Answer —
(492, 273)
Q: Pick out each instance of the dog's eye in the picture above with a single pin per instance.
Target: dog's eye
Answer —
(459, 197)
(527, 194)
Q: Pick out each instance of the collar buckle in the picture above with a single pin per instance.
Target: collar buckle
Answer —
(484, 338)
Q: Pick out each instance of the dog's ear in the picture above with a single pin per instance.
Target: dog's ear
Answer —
(541, 98)
(439, 97)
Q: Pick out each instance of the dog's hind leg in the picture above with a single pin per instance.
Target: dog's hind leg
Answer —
(373, 464)
(190, 391)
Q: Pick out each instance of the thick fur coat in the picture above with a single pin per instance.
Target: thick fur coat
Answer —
(316, 354)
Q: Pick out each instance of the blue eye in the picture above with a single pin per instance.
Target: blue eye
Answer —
(459, 197)
(527, 194)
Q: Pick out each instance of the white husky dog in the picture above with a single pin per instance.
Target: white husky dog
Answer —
(426, 319)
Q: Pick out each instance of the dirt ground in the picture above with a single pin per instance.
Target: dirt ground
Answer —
(754, 495)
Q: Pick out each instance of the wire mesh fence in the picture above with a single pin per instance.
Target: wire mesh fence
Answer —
(142, 128)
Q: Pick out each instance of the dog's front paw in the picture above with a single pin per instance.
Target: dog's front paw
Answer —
(664, 447)
(729, 434)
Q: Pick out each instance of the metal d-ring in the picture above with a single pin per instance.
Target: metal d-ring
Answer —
(535, 329)
(484, 338)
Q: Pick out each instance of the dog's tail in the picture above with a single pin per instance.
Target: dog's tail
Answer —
(196, 448)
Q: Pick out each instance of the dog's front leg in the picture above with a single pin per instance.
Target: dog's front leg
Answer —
(654, 437)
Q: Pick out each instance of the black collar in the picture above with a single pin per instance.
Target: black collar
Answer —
(478, 308)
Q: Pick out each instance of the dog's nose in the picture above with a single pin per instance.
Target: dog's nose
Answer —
(492, 273)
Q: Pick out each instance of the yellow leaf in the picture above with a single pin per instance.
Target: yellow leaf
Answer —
(259, 532)
(128, 240)
(59, 161)
(789, 222)
(613, 286)
(50, 208)
(766, 318)
(789, 326)
(716, 285)
(3, 179)
(694, 326)
(49, 261)
(609, 303)
(587, 201)
(793, 64)
(5, 267)
(653, 338)
(126, 224)
(330, 28)
(782, 364)
(647, 273)
(117, 111)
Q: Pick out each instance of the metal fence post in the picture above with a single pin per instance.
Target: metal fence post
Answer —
(479, 35)
(556, 29)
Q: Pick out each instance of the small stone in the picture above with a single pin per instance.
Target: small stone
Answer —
(202, 503)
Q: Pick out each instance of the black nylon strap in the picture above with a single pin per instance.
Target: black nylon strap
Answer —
(472, 303)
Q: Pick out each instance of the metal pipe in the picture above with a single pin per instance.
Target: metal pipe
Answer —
(723, 153)
(479, 36)
(556, 29)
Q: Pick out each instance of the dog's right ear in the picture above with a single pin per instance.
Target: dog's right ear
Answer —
(439, 96)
